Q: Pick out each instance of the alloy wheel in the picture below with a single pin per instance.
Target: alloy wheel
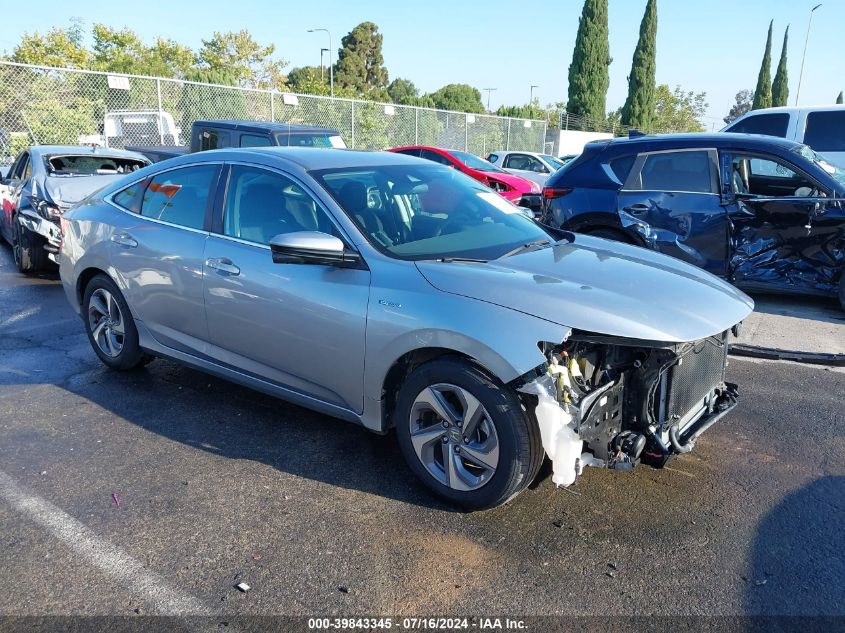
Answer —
(454, 437)
(105, 321)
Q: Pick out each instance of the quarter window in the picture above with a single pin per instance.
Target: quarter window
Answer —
(825, 131)
(676, 171)
(261, 204)
(212, 139)
(180, 196)
(768, 124)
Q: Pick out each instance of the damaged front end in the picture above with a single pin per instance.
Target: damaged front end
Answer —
(614, 402)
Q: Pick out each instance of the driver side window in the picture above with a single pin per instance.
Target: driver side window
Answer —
(761, 176)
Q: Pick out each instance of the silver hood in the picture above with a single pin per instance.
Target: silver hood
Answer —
(602, 287)
(66, 191)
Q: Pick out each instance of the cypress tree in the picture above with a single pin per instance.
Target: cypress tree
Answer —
(763, 92)
(780, 86)
(588, 73)
(839, 99)
(638, 111)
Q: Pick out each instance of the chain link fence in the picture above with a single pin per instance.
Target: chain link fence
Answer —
(42, 105)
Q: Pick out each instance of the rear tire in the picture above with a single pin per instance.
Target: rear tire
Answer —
(28, 249)
(612, 234)
(110, 327)
(474, 461)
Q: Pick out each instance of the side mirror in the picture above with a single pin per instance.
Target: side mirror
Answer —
(313, 247)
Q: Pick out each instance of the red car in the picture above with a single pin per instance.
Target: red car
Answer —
(518, 190)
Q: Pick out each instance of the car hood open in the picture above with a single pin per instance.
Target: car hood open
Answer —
(603, 287)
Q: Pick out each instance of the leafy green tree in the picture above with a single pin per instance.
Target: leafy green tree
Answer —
(403, 92)
(458, 97)
(588, 73)
(638, 111)
(744, 99)
(839, 99)
(763, 92)
(780, 86)
(62, 48)
(679, 111)
(360, 64)
(307, 80)
(252, 64)
(122, 51)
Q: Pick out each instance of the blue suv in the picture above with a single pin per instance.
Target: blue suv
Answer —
(766, 213)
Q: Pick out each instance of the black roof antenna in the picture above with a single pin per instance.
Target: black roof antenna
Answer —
(635, 133)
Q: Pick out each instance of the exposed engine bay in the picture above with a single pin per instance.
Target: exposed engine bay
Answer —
(614, 402)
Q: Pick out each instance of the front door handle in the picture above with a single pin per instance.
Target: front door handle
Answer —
(223, 265)
(636, 208)
(124, 239)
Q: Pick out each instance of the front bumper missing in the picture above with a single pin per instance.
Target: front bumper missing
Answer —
(600, 429)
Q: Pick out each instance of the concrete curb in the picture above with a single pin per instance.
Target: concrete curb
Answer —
(812, 358)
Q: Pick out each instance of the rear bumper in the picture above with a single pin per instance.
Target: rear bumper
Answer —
(50, 231)
(533, 201)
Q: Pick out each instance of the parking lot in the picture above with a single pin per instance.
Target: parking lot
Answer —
(155, 492)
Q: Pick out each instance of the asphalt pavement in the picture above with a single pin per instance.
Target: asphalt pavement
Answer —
(157, 491)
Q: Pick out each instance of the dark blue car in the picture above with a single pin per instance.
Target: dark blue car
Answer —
(766, 213)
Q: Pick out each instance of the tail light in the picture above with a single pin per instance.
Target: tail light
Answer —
(44, 208)
(550, 193)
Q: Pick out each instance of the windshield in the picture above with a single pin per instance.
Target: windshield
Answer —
(556, 163)
(91, 165)
(421, 212)
(837, 172)
(474, 162)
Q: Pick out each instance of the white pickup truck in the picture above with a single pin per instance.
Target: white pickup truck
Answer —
(820, 127)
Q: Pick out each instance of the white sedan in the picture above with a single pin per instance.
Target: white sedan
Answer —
(531, 165)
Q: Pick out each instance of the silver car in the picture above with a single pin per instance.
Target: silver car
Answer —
(400, 294)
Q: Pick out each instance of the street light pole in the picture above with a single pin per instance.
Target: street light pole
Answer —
(531, 100)
(804, 56)
(489, 90)
(322, 50)
(331, 66)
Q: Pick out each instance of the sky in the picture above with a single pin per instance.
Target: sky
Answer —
(714, 47)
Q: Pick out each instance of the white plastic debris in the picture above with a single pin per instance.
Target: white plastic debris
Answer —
(560, 441)
(242, 586)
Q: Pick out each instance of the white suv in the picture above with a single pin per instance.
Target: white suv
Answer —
(820, 127)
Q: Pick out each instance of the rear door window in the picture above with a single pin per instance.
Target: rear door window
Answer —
(180, 196)
(774, 124)
(255, 140)
(213, 139)
(825, 131)
(434, 156)
(682, 171)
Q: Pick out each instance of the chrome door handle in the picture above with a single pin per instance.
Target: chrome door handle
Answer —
(124, 240)
(223, 265)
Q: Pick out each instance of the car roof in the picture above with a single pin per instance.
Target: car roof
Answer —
(307, 158)
(49, 150)
(703, 140)
(265, 126)
(791, 109)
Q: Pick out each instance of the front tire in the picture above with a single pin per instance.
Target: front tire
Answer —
(109, 325)
(465, 435)
(28, 249)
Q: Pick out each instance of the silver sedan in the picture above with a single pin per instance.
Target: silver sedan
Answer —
(399, 294)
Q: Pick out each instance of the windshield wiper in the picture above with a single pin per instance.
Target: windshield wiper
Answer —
(526, 247)
(456, 259)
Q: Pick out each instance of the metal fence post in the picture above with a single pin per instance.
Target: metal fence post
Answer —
(466, 132)
(272, 108)
(353, 124)
(508, 142)
(160, 117)
(543, 139)
(416, 126)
